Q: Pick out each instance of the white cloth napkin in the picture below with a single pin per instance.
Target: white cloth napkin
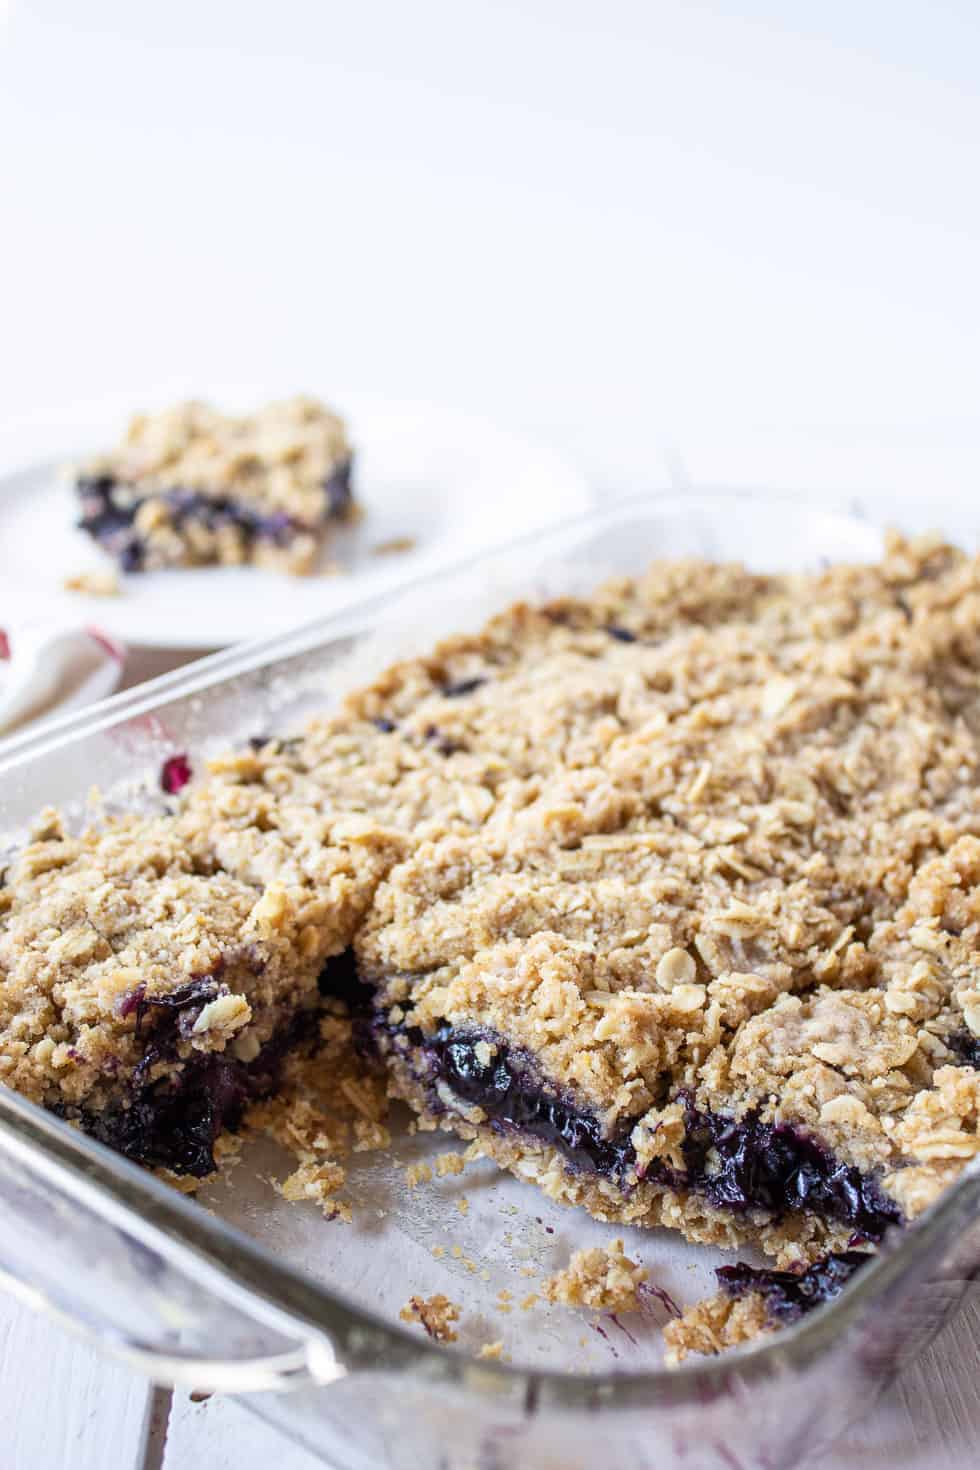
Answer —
(48, 667)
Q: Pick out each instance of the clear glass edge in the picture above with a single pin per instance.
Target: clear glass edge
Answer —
(238, 1269)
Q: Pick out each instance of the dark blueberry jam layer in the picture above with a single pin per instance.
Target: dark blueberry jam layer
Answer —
(738, 1166)
(791, 1294)
(780, 1169)
(966, 1048)
(509, 1090)
(463, 686)
(340, 980)
(108, 517)
(174, 1123)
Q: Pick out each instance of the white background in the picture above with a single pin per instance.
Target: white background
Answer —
(687, 242)
(747, 233)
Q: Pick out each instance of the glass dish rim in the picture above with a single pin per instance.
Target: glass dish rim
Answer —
(251, 1272)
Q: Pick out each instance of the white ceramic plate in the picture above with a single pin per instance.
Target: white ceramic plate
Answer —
(452, 482)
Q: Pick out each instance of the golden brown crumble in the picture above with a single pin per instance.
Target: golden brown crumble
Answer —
(602, 1278)
(712, 1325)
(318, 1182)
(435, 1313)
(93, 584)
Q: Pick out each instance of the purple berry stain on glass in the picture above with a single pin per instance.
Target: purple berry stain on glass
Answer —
(175, 774)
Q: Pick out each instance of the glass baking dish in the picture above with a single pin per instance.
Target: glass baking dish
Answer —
(258, 1297)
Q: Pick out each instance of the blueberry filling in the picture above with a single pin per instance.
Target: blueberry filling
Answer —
(778, 1168)
(109, 509)
(340, 496)
(384, 725)
(197, 993)
(462, 686)
(789, 1295)
(174, 1122)
(339, 980)
(506, 1086)
(965, 1046)
(443, 744)
(622, 635)
(175, 774)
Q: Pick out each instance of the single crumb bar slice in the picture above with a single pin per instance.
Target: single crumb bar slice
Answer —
(191, 486)
(150, 994)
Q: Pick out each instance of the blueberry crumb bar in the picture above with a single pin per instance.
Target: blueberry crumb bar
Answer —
(191, 486)
(668, 899)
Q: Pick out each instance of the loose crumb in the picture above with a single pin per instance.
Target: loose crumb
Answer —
(370, 1136)
(435, 1313)
(93, 584)
(530, 1301)
(438, 1251)
(493, 1351)
(712, 1325)
(417, 1174)
(322, 1102)
(463, 1205)
(319, 1182)
(604, 1279)
(450, 1163)
(394, 546)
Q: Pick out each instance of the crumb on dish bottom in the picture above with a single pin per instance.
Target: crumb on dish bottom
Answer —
(436, 1314)
(601, 1278)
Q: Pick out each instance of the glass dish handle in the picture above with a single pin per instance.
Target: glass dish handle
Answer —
(159, 1296)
